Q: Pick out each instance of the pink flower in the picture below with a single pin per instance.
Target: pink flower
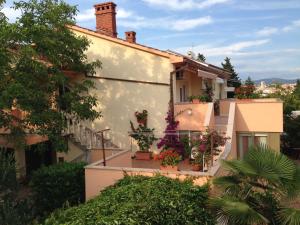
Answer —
(202, 148)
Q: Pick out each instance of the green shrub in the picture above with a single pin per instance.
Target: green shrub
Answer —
(57, 185)
(141, 200)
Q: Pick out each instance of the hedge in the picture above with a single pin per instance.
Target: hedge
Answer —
(141, 200)
(57, 185)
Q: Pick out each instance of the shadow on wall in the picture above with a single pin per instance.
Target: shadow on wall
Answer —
(119, 100)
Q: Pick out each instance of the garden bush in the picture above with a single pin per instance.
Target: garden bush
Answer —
(56, 185)
(141, 200)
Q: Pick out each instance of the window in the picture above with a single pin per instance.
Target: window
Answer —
(245, 141)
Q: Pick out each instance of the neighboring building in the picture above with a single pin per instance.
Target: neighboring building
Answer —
(135, 77)
(271, 89)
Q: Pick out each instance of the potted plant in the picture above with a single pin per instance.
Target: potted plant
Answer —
(187, 145)
(200, 98)
(142, 117)
(145, 138)
(143, 135)
(194, 99)
(198, 153)
(170, 160)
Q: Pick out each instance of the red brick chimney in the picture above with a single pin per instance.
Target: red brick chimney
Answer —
(130, 36)
(106, 18)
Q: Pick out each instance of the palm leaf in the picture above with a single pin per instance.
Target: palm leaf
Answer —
(270, 165)
(231, 210)
(289, 216)
(293, 187)
(239, 167)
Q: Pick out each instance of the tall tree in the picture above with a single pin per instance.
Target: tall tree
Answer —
(234, 80)
(35, 52)
(249, 82)
(201, 57)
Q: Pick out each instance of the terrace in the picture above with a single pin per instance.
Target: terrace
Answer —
(194, 119)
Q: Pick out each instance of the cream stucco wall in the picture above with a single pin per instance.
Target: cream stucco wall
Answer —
(120, 99)
(259, 116)
(124, 62)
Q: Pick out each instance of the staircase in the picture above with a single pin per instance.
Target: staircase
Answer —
(225, 126)
(221, 123)
(86, 139)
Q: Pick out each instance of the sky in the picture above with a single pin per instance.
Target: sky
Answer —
(262, 37)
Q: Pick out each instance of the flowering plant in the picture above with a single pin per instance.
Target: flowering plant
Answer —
(207, 145)
(141, 117)
(171, 138)
(169, 158)
(246, 92)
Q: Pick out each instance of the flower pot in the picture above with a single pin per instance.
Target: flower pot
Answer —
(169, 168)
(197, 167)
(139, 155)
(195, 101)
(186, 161)
(142, 121)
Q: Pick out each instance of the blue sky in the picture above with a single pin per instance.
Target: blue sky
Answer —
(261, 36)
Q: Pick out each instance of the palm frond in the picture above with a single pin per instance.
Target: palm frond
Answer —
(289, 216)
(239, 167)
(231, 210)
(293, 187)
(270, 165)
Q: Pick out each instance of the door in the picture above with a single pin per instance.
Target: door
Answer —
(182, 91)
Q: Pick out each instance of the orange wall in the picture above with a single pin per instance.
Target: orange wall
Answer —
(259, 116)
(194, 121)
(98, 178)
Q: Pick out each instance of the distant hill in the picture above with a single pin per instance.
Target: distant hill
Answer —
(276, 81)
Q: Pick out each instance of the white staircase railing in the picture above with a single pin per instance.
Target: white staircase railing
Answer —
(226, 150)
(87, 137)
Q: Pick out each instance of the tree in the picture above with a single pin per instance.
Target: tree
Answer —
(234, 80)
(258, 189)
(35, 53)
(291, 125)
(13, 209)
(249, 82)
(201, 57)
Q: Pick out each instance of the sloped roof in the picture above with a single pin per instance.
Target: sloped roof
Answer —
(173, 57)
(203, 65)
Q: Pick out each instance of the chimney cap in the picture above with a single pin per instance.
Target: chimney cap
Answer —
(130, 36)
(130, 32)
(105, 3)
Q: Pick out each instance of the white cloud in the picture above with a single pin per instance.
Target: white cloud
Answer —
(181, 25)
(165, 23)
(10, 13)
(185, 4)
(229, 50)
(295, 24)
(268, 4)
(267, 31)
(86, 15)
(122, 13)
(89, 14)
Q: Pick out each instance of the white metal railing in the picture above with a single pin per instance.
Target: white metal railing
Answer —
(86, 136)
